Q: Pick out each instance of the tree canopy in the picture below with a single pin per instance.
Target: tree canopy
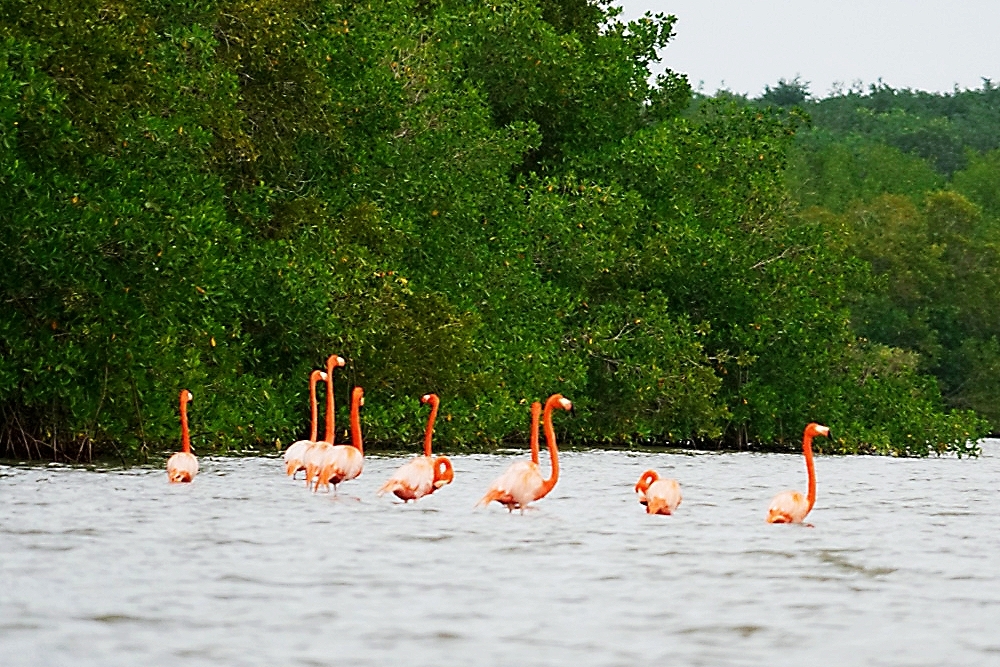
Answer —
(490, 201)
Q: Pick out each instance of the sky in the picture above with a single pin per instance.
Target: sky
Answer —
(744, 45)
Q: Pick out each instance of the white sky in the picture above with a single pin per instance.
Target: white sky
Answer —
(744, 45)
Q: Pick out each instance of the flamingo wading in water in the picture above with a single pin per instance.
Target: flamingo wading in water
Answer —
(792, 506)
(316, 450)
(183, 466)
(296, 451)
(340, 463)
(522, 483)
(660, 496)
(423, 475)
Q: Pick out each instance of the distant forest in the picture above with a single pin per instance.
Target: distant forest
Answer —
(911, 180)
(490, 201)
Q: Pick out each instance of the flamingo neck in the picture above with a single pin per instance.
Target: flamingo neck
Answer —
(313, 379)
(443, 470)
(550, 439)
(330, 412)
(428, 434)
(647, 480)
(810, 469)
(536, 412)
(356, 422)
(185, 433)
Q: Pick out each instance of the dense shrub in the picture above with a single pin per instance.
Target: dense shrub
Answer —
(488, 201)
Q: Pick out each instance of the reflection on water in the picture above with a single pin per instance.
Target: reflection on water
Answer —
(244, 567)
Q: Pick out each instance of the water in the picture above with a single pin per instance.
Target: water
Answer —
(244, 567)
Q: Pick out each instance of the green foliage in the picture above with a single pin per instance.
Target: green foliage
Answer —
(487, 201)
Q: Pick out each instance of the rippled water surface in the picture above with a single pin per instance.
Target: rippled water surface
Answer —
(244, 567)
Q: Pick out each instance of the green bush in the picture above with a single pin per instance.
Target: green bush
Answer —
(488, 201)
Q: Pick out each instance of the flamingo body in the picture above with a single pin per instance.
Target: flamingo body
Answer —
(660, 496)
(182, 467)
(788, 507)
(519, 485)
(335, 464)
(418, 478)
(295, 455)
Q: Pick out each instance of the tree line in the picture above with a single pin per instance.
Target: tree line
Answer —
(488, 201)
(913, 180)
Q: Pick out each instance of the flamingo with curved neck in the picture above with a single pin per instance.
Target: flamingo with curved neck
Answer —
(423, 475)
(792, 506)
(339, 463)
(296, 452)
(183, 466)
(660, 496)
(523, 483)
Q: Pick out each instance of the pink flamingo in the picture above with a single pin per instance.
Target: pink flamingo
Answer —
(522, 483)
(183, 466)
(792, 506)
(317, 449)
(297, 450)
(660, 496)
(423, 475)
(340, 463)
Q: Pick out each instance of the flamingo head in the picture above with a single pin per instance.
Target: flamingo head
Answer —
(815, 429)
(443, 472)
(429, 398)
(645, 480)
(564, 403)
(323, 376)
(359, 395)
(334, 361)
(186, 396)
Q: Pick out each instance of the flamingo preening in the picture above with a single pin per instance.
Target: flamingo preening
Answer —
(660, 496)
(296, 451)
(792, 506)
(183, 466)
(423, 475)
(522, 483)
(339, 463)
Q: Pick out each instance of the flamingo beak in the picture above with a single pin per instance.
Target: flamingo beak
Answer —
(341, 362)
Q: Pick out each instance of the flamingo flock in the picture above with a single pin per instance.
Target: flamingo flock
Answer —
(326, 463)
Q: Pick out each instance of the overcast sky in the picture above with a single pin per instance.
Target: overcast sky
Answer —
(744, 45)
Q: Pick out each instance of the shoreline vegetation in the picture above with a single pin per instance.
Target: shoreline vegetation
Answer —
(488, 202)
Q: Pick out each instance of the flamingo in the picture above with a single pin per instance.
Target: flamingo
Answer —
(183, 466)
(522, 483)
(660, 496)
(297, 450)
(423, 475)
(339, 463)
(792, 506)
(315, 451)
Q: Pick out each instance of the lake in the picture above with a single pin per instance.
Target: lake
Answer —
(245, 567)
